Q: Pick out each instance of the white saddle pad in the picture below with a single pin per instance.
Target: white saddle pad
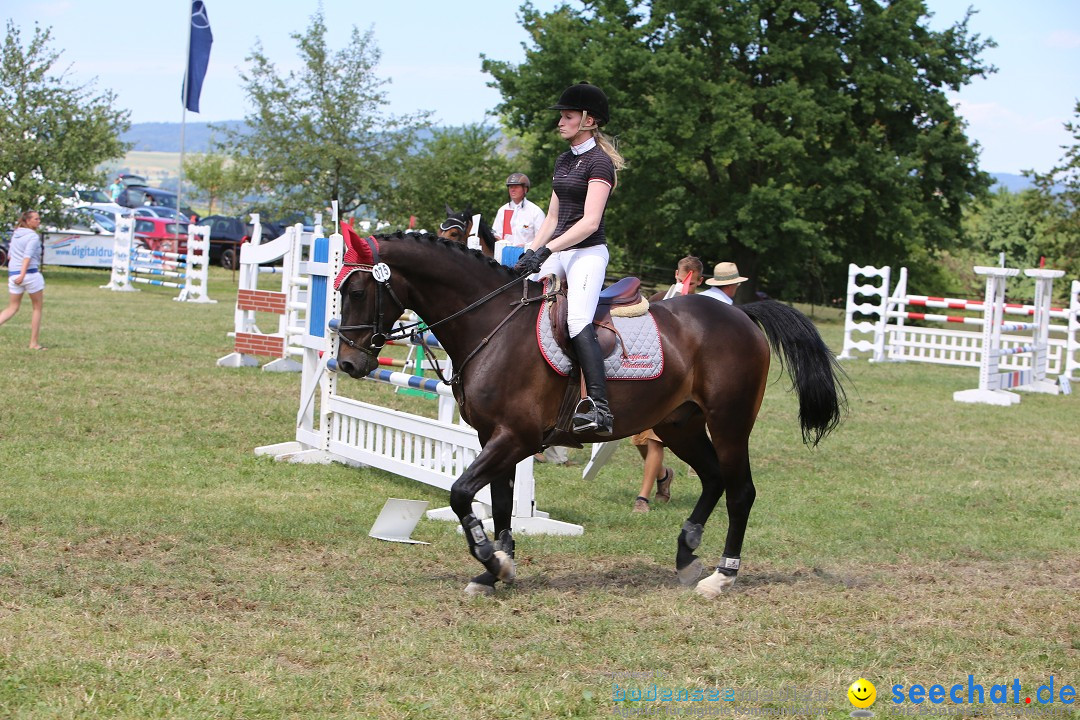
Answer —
(643, 358)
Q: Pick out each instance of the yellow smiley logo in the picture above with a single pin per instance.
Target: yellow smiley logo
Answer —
(862, 693)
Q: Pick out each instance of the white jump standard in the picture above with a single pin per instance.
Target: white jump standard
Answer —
(994, 385)
(289, 303)
(131, 264)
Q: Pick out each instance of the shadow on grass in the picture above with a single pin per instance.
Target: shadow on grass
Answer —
(638, 577)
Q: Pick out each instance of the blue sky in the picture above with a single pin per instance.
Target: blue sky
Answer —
(430, 51)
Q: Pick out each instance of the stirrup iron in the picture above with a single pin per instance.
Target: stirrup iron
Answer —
(595, 419)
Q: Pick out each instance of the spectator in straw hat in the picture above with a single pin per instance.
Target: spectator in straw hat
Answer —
(724, 282)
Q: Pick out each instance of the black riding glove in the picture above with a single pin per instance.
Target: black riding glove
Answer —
(519, 266)
(530, 261)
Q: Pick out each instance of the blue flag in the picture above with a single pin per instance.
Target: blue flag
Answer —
(198, 56)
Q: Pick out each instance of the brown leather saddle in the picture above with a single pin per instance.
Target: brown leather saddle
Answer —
(622, 294)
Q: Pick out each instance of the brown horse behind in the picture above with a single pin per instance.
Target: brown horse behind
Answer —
(458, 226)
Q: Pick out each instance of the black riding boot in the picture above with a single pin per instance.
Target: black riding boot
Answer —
(593, 414)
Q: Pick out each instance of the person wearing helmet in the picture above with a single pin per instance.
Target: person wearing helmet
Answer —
(571, 242)
(518, 220)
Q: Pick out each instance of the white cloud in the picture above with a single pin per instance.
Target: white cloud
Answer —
(1064, 40)
(51, 9)
(1013, 140)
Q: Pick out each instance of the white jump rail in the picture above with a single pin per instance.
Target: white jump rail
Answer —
(878, 323)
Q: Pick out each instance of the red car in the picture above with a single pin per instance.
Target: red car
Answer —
(162, 234)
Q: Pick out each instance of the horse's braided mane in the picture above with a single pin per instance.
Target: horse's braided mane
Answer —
(446, 243)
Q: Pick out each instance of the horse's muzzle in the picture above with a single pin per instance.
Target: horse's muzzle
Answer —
(356, 364)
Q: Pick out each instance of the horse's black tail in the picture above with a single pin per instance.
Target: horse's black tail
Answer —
(814, 371)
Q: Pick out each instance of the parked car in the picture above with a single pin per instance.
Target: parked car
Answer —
(137, 196)
(89, 218)
(159, 211)
(90, 197)
(132, 179)
(162, 234)
(227, 234)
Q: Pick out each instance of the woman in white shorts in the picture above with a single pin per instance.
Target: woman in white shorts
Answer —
(24, 274)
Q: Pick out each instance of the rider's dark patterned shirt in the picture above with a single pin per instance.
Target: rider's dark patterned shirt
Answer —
(571, 183)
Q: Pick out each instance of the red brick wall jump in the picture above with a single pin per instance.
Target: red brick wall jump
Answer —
(261, 301)
(264, 345)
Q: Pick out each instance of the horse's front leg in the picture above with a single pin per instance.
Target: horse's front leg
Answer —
(495, 465)
(502, 506)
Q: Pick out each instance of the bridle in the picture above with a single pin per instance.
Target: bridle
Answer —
(381, 273)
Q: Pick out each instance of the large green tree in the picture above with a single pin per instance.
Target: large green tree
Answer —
(322, 133)
(791, 136)
(53, 133)
(218, 178)
(455, 167)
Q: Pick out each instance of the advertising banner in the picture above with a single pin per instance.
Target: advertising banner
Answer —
(78, 249)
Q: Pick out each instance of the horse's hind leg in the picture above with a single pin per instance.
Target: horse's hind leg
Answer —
(690, 442)
(502, 505)
(722, 466)
(740, 499)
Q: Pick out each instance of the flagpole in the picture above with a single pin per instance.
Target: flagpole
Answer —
(183, 125)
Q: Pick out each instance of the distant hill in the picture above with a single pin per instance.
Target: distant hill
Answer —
(198, 136)
(165, 137)
(1012, 183)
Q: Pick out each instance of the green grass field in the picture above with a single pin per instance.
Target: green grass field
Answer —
(152, 567)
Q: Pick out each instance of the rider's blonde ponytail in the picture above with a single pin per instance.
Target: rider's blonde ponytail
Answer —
(608, 146)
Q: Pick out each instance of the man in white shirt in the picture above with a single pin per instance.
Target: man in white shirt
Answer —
(724, 282)
(518, 220)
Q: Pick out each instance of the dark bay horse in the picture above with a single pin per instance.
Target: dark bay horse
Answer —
(459, 225)
(716, 366)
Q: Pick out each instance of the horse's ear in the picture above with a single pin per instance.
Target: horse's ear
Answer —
(350, 236)
(449, 212)
(357, 251)
(467, 212)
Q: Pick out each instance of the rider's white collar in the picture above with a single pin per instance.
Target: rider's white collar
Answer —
(583, 147)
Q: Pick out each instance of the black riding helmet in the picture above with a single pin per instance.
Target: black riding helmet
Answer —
(587, 97)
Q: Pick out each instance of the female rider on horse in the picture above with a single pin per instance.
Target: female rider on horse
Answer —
(571, 242)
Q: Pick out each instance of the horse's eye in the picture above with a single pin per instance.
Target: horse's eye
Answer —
(356, 294)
